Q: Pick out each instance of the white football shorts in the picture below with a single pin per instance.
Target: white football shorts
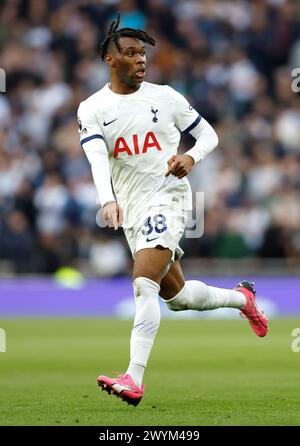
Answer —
(160, 226)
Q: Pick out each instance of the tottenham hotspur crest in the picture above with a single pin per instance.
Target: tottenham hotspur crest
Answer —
(155, 118)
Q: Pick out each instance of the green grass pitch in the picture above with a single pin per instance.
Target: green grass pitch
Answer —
(201, 372)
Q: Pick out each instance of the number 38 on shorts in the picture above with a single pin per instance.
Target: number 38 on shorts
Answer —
(157, 223)
(158, 228)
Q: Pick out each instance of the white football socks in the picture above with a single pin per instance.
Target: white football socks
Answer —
(145, 326)
(196, 295)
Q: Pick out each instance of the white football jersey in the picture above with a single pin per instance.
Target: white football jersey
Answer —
(139, 132)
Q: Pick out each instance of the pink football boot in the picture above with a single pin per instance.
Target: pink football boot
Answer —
(123, 387)
(256, 318)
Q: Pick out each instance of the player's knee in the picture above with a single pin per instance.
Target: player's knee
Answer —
(145, 287)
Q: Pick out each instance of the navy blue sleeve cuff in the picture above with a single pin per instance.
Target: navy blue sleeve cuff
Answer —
(89, 138)
(193, 125)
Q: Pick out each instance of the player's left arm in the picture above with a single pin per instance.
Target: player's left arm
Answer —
(189, 121)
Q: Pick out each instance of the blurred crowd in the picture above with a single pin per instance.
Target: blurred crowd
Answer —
(232, 59)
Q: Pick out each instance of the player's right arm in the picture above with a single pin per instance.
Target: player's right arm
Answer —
(93, 144)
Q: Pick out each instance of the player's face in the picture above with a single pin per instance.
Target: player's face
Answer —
(130, 63)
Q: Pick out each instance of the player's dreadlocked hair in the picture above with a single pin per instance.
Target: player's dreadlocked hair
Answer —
(114, 34)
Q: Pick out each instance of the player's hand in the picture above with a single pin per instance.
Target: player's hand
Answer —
(180, 165)
(112, 215)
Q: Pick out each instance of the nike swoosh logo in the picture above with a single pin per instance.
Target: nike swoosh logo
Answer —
(107, 123)
(151, 239)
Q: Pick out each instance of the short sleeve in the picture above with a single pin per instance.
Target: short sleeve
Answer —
(185, 116)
